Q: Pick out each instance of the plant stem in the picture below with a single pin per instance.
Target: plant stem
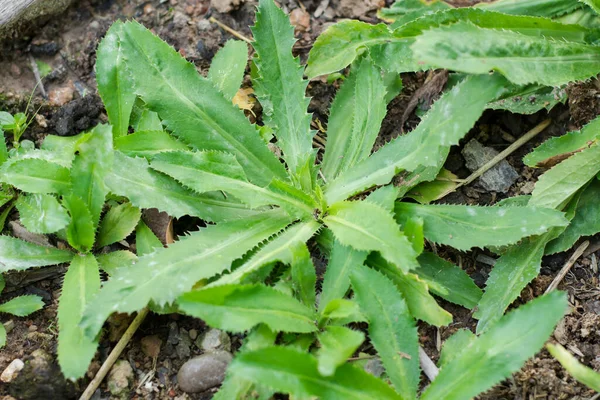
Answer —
(114, 355)
(230, 30)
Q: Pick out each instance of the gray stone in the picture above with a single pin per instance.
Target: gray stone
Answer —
(183, 348)
(119, 379)
(22, 16)
(214, 339)
(374, 367)
(497, 179)
(203, 372)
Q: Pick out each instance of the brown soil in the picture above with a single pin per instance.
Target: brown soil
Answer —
(67, 44)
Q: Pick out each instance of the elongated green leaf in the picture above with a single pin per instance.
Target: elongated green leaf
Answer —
(22, 305)
(304, 276)
(291, 371)
(280, 86)
(164, 275)
(336, 282)
(448, 280)
(82, 282)
(237, 308)
(80, 231)
(385, 197)
(227, 67)
(210, 171)
(391, 49)
(448, 120)
(146, 241)
(5, 196)
(35, 176)
(117, 224)
(594, 5)
(511, 273)
(341, 312)
(89, 169)
(146, 188)
(413, 229)
(530, 99)
(172, 87)
(2, 335)
(585, 222)
(464, 227)
(565, 144)
(41, 213)
(583, 374)
(3, 149)
(542, 8)
(17, 254)
(559, 183)
(392, 329)
(148, 143)
(112, 261)
(521, 58)
(403, 11)
(338, 343)
(367, 226)
(356, 115)
(500, 351)
(114, 82)
(2, 283)
(60, 149)
(415, 291)
(279, 248)
(454, 345)
(142, 119)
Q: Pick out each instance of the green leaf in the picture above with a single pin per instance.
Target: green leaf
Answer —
(427, 192)
(3, 149)
(542, 8)
(367, 226)
(210, 171)
(464, 227)
(146, 188)
(454, 345)
(82, 282)
(384, 196)
(172, 87)
(500, 351)
(291, 371)
(530, 99)
(163, 275)
(5, 196)
(35, 175)
(565, 144)
(2, 283)
(415, 291)
(114, 81)
(147, 143)
(341, 312)
(355, 118)
(60, 149)
(146, 241)
(521, 58)
(111, 262)
(448, 280)
(17, 254)
(2, 335)
(280, 248)
(559, 183)
(304, 276)
(89, 169)
(413, 229)
(117, 224)
(580, 372)
(338, 343)
(238, 308)
(80, 231)
(511, 273)
(585, 222)
(392, 330)
(448, 120)
(22, 305)
(280, 85)
(336, 282)
(41, 213)
(227, 67)
(403, 11)
(594, 4)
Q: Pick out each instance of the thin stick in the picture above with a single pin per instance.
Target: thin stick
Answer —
(576, 254)
(427, 365)
(114, 355)
(230, 30)
(38, 78)
(501, 156)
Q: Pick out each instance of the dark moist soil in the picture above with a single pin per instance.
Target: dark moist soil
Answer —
(67, 43)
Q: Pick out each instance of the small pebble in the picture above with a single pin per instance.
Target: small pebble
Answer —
(12, 370)
(119, 379)
(148, 9)
(203, 25)
(41, 120)
(61, 96)
(203, 372)
(32, 328)
(214, 339)
(300, 19)
(15, 71)
(193, 334)
(151, 345)
(9, 326)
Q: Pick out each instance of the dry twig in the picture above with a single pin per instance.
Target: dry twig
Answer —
(576, 254)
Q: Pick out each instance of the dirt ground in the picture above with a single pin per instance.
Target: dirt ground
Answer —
(67, 43)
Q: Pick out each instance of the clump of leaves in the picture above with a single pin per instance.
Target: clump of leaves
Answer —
(19, 306)
(59, 189)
